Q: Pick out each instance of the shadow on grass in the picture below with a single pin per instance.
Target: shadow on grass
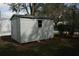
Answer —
(58, 46)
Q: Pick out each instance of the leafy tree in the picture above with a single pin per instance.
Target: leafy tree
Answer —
(71, 15)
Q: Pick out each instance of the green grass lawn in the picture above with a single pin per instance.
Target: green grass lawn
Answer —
(58, 46)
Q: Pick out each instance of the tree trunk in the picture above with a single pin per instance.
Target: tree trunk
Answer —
(33, 9)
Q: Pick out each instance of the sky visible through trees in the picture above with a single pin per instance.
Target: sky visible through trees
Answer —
(6, 12)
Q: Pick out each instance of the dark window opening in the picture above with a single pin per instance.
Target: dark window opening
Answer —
(39, 23)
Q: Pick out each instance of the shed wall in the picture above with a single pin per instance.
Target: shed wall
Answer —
(31, 32)
(26, 27)
(15, 29)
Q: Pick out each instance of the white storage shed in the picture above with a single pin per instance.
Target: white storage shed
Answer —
(31, 28)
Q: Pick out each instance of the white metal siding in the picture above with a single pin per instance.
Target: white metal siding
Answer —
(44, 32)
(47, 29)
(14, 29)
(31, 32)
(26, 27)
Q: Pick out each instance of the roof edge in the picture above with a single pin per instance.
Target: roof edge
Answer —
(30, 17)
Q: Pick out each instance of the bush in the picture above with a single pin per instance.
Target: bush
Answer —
(64, 27)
